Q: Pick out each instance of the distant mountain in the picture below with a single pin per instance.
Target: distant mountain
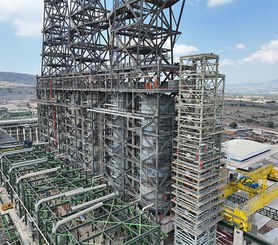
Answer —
(270, 87)
(18, 78)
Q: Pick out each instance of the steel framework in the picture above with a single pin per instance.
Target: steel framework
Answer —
(63, 204)
(8, 234)
(55, 54)
(88, 36)
(110, 105)
(197, 168)
(21, 129)
(265, 211)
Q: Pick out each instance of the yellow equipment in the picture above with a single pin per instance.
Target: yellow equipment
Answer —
(245, 184)
(7, 206)
(259, 195)
(267, 171)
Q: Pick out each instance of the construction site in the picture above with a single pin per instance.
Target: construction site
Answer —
(126, 147)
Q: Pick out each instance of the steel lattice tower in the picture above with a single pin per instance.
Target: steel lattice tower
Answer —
(197, 169)
(55, 54)
(88, 36)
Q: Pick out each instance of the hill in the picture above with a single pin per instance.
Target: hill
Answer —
(21, 78)
(270, 87)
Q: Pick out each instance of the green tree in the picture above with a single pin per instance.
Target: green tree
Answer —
(233, 125)
(270, 124)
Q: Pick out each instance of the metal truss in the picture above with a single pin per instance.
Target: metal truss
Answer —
(114, 111)
(69, 127)
(55, 53)
(197, 168)
(265, 211)
(88, 36)
(143, 34)
(21, 129)
(68, 206)
(8, 233)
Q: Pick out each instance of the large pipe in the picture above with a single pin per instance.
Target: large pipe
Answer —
(74, 216)
(27, 163)
(146, 207)
(34, 174)
(117, 113)
(37, 205)
(101, 199)
(97, 177)
(67, 194)
(77, 191)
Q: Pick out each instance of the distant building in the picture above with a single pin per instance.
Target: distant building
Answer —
(240, 150)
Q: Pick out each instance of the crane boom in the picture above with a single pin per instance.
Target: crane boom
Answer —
(259, 195)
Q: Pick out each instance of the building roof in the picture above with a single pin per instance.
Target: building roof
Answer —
(240, 150)
(5, 138)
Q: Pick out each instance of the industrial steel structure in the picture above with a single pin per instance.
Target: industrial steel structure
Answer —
(197, 168)
(106, 94)
(133, 137)
(107, 103)
(63, 204)
(20, 124)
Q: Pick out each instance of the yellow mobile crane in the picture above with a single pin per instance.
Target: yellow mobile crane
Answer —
(258, 194)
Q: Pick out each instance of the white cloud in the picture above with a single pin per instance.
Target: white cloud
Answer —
(183, 49)
(267, 54)
(213, 3)
(227, 62)
(240, 46)
(180, 49)
(25, 16)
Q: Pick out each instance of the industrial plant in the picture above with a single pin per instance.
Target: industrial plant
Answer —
(126, 147)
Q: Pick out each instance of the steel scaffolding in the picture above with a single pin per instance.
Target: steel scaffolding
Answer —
(8, 233)
(197, 168)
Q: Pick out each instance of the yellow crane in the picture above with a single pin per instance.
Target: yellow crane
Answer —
(266, 171)
(259, 195)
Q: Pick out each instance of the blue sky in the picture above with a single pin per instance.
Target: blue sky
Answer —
(243, 32)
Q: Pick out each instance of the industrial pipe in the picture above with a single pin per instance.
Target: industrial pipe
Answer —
(74, 216)
(148, 206)
(80, 191)
(101, 199)
(8, 153)
(67, 194)
(27, 163)
(34, 174)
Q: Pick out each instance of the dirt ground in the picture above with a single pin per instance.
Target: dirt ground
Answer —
(264, 116)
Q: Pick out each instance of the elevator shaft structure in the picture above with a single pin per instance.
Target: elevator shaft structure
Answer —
(197, 168)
